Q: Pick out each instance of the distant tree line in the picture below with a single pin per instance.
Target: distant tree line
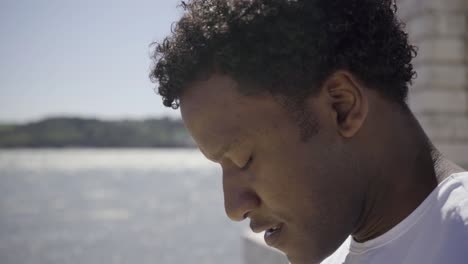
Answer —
(81, 132)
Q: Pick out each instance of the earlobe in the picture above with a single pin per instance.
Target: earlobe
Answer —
(348, 101)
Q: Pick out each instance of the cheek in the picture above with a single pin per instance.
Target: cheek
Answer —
(288, 182)
(296, 178)
(293, 175)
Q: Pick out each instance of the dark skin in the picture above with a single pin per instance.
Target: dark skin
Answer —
(366, 165)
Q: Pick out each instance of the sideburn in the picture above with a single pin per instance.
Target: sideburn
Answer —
(304, 119)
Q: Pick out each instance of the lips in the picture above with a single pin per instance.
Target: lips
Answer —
(272, 232)
(272, 235)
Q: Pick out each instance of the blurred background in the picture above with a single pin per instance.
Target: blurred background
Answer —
(93, 169)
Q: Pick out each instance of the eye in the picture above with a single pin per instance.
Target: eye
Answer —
(247, 164)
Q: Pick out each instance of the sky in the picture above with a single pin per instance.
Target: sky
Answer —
(87, 58)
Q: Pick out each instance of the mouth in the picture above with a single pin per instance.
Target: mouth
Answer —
(272, 235)
(272, 232)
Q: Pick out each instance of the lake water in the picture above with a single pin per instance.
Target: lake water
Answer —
(95, 206)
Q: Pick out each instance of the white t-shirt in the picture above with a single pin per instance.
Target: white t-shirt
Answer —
(435, 233)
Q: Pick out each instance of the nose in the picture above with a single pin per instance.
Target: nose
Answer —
(239, 198)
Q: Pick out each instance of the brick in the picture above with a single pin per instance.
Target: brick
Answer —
(456, 152)
(431, 25)
(433, 101)
(445, 127)
(453, 5)
(466, 50)
(441, 77)
(409, 9)
(444, 50)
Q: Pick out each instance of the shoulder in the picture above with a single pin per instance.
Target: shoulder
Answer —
(453, 191)
(453, 198)
(446, 219)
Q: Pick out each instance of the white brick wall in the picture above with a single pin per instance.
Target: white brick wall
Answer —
(431, 24)
(439, 96)
(457, 151)
(441, 50)
(446, 127)
(440, 76)
(410, 9)
(439, 101)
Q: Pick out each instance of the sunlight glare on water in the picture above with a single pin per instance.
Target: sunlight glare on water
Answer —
(82, 159)
(95, 206)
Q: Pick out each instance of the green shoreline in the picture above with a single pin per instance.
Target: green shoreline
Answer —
(64, 132)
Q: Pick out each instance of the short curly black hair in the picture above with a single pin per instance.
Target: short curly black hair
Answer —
(285, 47)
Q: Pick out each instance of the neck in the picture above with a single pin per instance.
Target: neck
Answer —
(401, 180)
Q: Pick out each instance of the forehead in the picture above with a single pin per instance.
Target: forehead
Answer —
(216, 114)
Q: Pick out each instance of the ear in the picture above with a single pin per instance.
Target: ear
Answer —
(349, 102)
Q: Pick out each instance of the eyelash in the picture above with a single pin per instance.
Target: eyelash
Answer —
(247, 164)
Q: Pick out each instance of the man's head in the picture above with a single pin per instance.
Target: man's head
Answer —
(279, 93)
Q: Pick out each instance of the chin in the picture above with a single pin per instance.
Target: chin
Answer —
(302, 260)
(305, 256)
(303, 246)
